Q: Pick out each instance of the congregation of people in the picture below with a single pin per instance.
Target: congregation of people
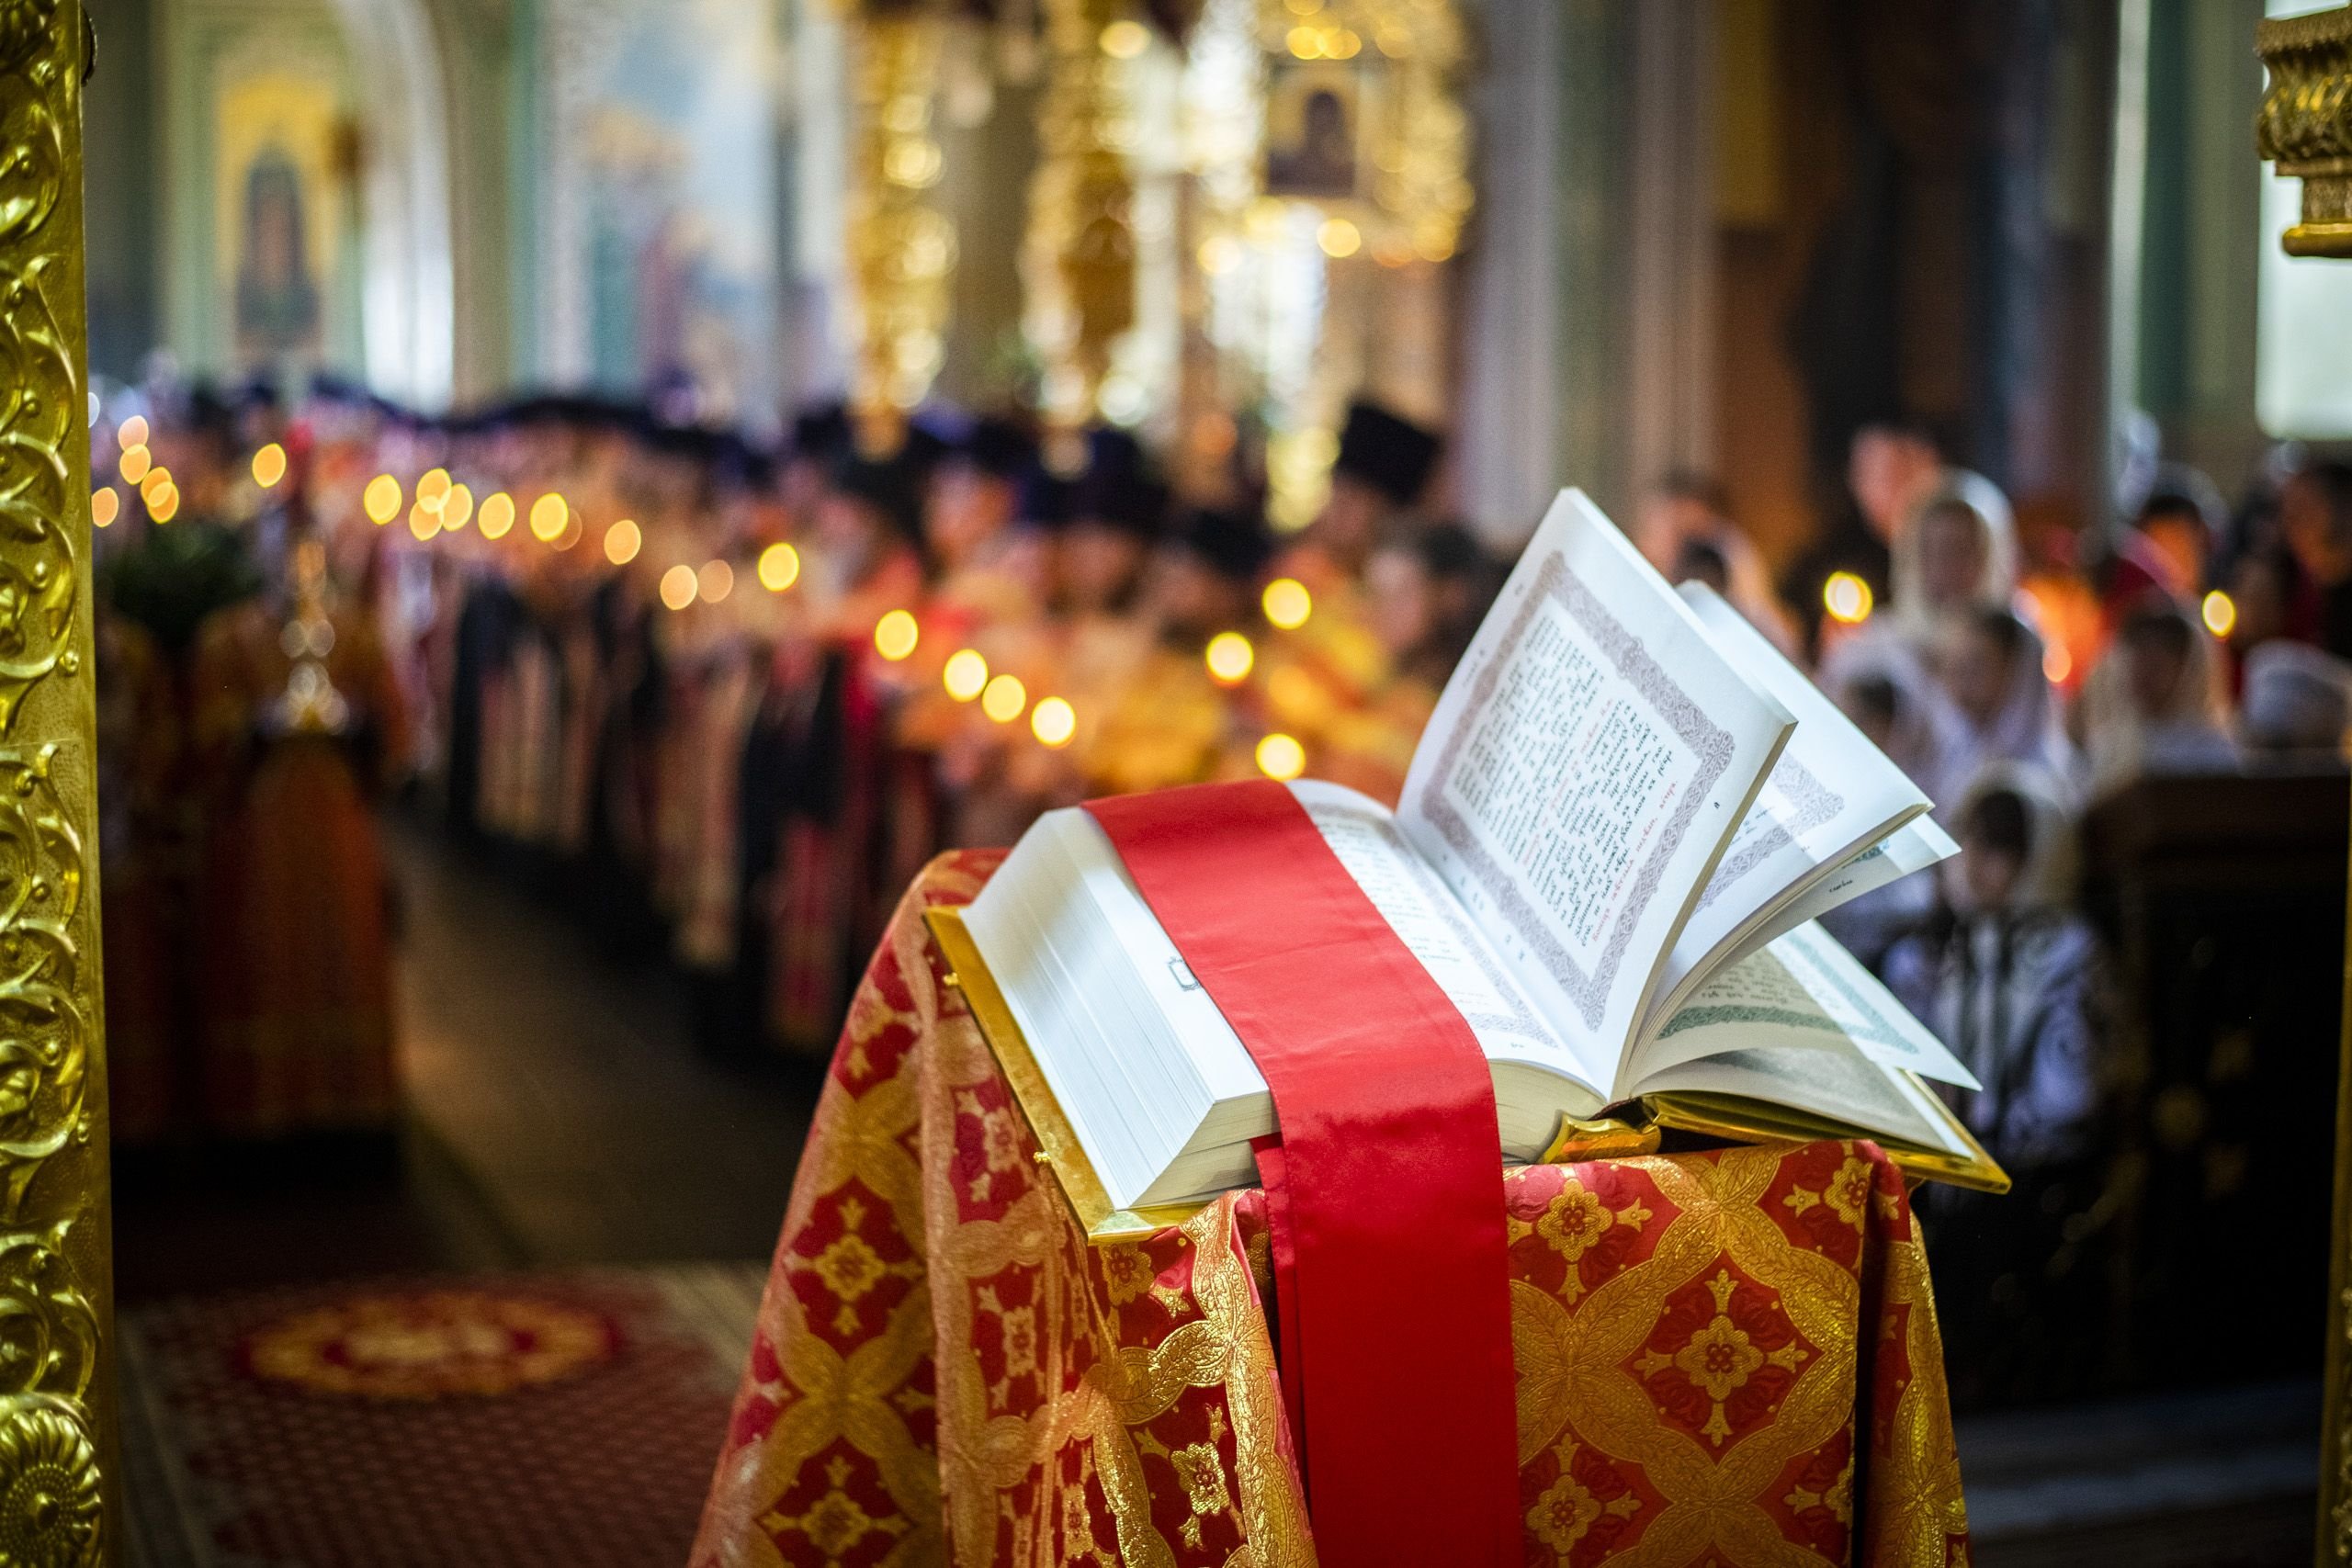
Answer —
(736, 695)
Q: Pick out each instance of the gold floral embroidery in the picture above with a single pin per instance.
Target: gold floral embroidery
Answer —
(1574, 1220)
(849, 1267)
(1005, 1144)
(1020, 1342)
(1127, 1272)
(1838, 1499)
(1203, 1473)
(1719, 1361)
(836, 1521)
(1564, 1513)
(1849, 1190)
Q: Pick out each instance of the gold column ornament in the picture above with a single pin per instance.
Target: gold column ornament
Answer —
(901, 248)
(1079, 258)
(57, 1431)
(2305, 124)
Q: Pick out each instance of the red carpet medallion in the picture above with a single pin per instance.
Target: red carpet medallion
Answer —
(560, 1419)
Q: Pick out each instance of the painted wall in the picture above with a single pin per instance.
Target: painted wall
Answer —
(259, 149)
(656, 255)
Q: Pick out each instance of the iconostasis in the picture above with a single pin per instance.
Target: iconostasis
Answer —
(1241, 209)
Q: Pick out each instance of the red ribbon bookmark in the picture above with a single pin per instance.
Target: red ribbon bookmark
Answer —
(1387, 1197)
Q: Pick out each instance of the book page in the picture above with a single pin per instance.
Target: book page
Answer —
(1917, 845)
(1589, 758)
(1433, 926)
(1841, 1087)
(1831, 795)
(1141, 1061)
(1804, 992)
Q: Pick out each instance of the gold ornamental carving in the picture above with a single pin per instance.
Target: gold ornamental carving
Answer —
(1079, 254)
(2305, 123)
(52, 1497)
(40, 408)
(57, 1435)
(44, 1031)
(901, 247)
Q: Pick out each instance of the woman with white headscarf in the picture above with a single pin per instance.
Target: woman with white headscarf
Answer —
(1955, 553)
(1991, 667)
(2153, 705)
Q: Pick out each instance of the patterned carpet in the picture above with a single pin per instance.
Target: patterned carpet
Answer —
(503, 1422)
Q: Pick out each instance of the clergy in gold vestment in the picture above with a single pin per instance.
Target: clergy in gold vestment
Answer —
(298, 724)
(1319, 674)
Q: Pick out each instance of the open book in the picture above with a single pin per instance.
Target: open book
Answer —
(1618, 829)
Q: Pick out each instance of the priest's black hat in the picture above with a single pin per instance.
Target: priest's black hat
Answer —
(1234, 544)
(820, 433)
(892, 486)
(1388, 452)
(1118, 488)
(999, 448)
(1045, 500)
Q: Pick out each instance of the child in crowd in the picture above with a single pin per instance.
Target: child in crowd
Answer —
(2154, 704)
(2009, 975)
(1991, 668)
(2297, 702)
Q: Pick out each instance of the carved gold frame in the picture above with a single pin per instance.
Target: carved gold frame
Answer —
(59, 1502)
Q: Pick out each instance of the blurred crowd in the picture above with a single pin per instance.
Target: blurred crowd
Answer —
(740, 692)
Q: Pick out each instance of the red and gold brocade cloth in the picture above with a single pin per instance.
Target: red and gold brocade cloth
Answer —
(1727, 1357)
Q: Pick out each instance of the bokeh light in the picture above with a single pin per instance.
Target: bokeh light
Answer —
(497, 514)
(1125, 39)
(1847, 598)
(1230, 657)
(269, 465)
(965, 673)
(1003, 698)
(548, 516)
(423, 520)
(1288, 603)
(895, 633)
(381, 500)
(131, 433)
(456, 507)
(1339, 237)
(1280, 757)
(134, 464)
(163, 502)
(622, 541)
(1054, 722)
(779, 568)
(105, 505)
(678, 587)
(2220, 612)
(433, 487)
(715, 582)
